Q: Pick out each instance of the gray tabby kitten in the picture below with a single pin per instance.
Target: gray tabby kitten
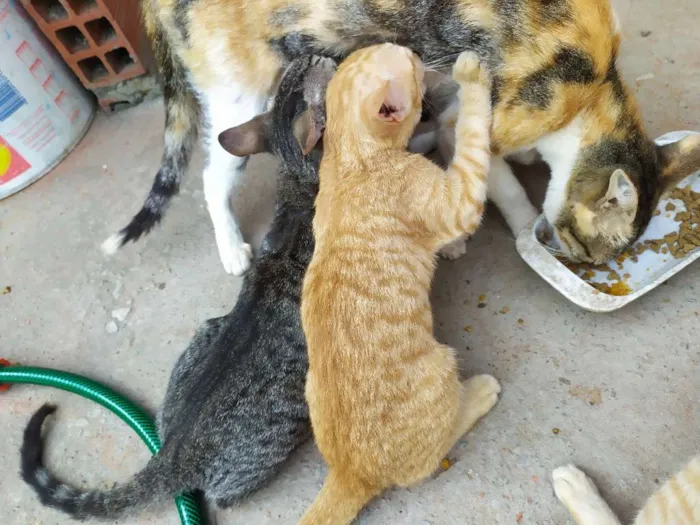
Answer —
(235, 408)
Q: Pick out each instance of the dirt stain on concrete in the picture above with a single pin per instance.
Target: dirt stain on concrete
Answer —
(593, 396)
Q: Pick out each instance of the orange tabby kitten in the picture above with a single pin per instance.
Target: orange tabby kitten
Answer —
(677, 502)
(385, 398)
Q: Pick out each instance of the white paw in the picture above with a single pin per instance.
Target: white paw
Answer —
(581, 497)
(482, 393)
(454, 250)
(572, 485)
(235, 256)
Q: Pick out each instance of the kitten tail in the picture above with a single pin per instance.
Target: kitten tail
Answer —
(338, 502)
(152, 484)
(181, 129)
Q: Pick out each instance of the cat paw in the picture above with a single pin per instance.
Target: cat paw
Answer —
(481, 392)
(454, 250)
(572, 485)
(469, 70)
(581, 497)
(235, 256)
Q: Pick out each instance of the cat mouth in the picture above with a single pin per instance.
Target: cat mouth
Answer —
(391, 113)
(387, 109)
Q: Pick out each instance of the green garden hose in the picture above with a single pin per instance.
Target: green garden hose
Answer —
(132, 415)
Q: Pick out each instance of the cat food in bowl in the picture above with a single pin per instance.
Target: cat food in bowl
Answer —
(670, 243)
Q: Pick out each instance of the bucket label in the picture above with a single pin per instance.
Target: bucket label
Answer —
(10, 99)
(12, 164)
(43, 108)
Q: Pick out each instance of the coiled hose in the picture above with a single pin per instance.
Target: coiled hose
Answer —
(131, 414)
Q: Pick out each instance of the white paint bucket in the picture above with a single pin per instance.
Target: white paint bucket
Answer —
(44, 111)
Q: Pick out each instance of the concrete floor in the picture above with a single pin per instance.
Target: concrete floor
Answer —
(621, 388)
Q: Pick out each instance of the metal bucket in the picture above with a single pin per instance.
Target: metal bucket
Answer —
(44, 111)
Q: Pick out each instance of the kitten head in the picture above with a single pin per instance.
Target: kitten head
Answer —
(609, 208)
(293, 128)
(377, 93)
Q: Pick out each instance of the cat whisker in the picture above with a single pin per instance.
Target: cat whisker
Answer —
(441, 62)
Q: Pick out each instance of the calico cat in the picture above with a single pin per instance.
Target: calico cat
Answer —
(677, 502)
(385, 399)
(556, 87)
(235, 408)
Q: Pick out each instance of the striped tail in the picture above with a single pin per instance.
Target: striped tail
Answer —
(181, 129)
(150, 485)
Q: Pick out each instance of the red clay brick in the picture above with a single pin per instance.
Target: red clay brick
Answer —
(98, 39)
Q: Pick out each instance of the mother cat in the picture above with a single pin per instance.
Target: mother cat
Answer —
(556, 89)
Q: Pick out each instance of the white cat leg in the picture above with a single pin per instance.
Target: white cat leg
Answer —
(507, 193)
(581, 497)
(224, 108)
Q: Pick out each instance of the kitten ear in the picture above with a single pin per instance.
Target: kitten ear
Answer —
(678, 160)
(621, 193)
(317, 78)
(246, 139)
(392, 101)
(308, 129)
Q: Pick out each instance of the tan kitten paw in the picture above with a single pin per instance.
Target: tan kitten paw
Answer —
(469, 70)
(481, 393)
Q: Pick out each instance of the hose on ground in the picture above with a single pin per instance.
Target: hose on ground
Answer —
(187, 505)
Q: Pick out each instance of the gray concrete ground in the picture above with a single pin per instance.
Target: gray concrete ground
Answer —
(621, 388)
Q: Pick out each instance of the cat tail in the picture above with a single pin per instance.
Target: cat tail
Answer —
(150, 485)
(181, 130)
(339, 501)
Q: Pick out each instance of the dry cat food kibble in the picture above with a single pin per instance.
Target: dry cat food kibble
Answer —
(678, 244)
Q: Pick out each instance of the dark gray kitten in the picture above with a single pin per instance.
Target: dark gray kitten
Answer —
(235, 407)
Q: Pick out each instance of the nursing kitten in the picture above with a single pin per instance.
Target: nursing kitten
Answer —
(556, 88)
(235, 408)
(677, 502)
(385, 399)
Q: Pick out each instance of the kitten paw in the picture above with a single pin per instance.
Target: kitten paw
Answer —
(571, 485)
(581, 497)
(454, 250)
(235, 256)
(469, 70)
(481, 392)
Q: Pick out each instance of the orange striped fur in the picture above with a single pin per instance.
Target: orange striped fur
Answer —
(677, 502)
(385, 398)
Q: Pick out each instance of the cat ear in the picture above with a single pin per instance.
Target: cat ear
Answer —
(678, 160)
(246, 139)
(621, 194)
(308, 129)
(393, 101)
(317, 78)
